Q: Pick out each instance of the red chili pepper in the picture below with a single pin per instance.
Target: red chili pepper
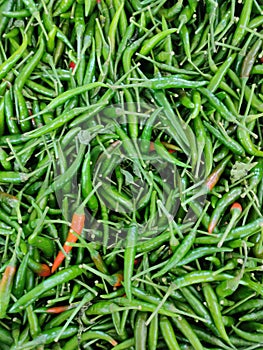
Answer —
(45, 271)
(136, 261)
(261, 59)
(72, 65)
(58, 309)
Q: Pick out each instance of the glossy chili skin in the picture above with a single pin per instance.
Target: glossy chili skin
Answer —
(149, 113)
(61, 277)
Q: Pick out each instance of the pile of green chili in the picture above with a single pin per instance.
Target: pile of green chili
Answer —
(131, 174)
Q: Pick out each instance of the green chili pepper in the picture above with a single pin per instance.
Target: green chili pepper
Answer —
(168, 333)
(129, 256)
(179, 253)
(6, 6)
(247, 143)
(214, 308)
(59, 278)
(242, 23)
(226, 140)
(153, 333)
(140, 331)
(62, 7)
(11, 61)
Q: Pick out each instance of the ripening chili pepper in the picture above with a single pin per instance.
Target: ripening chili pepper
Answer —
(7, 198)
(211, 180)
(250, 59)
(76, 227)
(214, 177)
(227, 199)
(97, 259)
(40, 269)
(59, 309)
(151, 147)
(6, 284)
(235, 210)
(171, 148)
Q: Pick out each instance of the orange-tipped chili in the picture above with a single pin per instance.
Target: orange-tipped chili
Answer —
(113, 342)
(228, 199)
(212, 226)
(236, 206)
(236, 210)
